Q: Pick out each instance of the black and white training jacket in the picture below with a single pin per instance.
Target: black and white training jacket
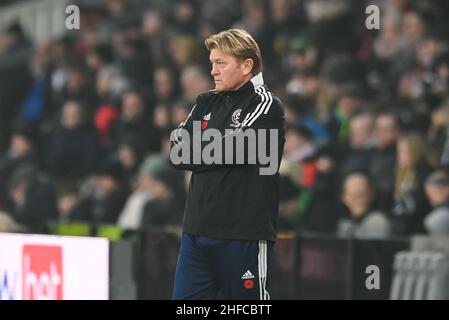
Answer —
(233, 201)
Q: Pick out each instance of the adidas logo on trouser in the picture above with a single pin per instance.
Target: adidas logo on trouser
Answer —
(207, 266)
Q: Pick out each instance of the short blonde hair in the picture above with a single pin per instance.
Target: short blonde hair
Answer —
(238, 43)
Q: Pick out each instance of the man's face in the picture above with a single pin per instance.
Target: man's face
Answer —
(228, 73)
(437, 195)
(71, 117)
(386, 132)
(360, 132)
(132, 106)
(357, 195)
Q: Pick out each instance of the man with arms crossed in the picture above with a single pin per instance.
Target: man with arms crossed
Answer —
(231, 210)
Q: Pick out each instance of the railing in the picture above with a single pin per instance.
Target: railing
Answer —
(305, 266)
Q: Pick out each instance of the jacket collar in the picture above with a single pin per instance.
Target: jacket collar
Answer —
(252, 85)
(257, 81)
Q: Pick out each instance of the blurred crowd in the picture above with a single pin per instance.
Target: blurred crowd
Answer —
(85, 120)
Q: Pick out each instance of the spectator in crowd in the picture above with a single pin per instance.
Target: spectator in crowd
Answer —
(161, 117)
(299, 53)
(300, 143)
(156, 31)
(410, 203)
(318, 202)
(437, 190)
(288, 205)
(21, 153)
(73, 148)
(77, 86)
(348, 105)
(362, 221)
(165, 86)
(383, 159)
(32, 199)
(134, 61)
(413, 28)
(131, 215)
(390, 41)
(166, 208)
(301, 91)
(129, 154)
(14, 78)
(109, 87)
(296, 113)
(299, 155)
(186, 17)
(70, 206)
(13, 38)
(158, 200)
(35, 106)
(100, 56)
(193, 82)
(438, 136)
(104, 194)
(134, 123)
(356, 154)
(180, 111)
(7, 223)
(184, 51)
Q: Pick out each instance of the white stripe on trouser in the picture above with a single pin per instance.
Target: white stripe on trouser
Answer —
(262, 268)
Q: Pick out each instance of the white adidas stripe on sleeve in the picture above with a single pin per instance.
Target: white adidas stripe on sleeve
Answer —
(262, 107)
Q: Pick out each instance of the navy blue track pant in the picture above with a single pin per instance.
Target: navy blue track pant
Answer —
(238, 269)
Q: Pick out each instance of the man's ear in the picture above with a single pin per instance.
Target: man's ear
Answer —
(247, 66)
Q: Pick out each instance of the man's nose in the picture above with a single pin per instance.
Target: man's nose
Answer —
(214, 71)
